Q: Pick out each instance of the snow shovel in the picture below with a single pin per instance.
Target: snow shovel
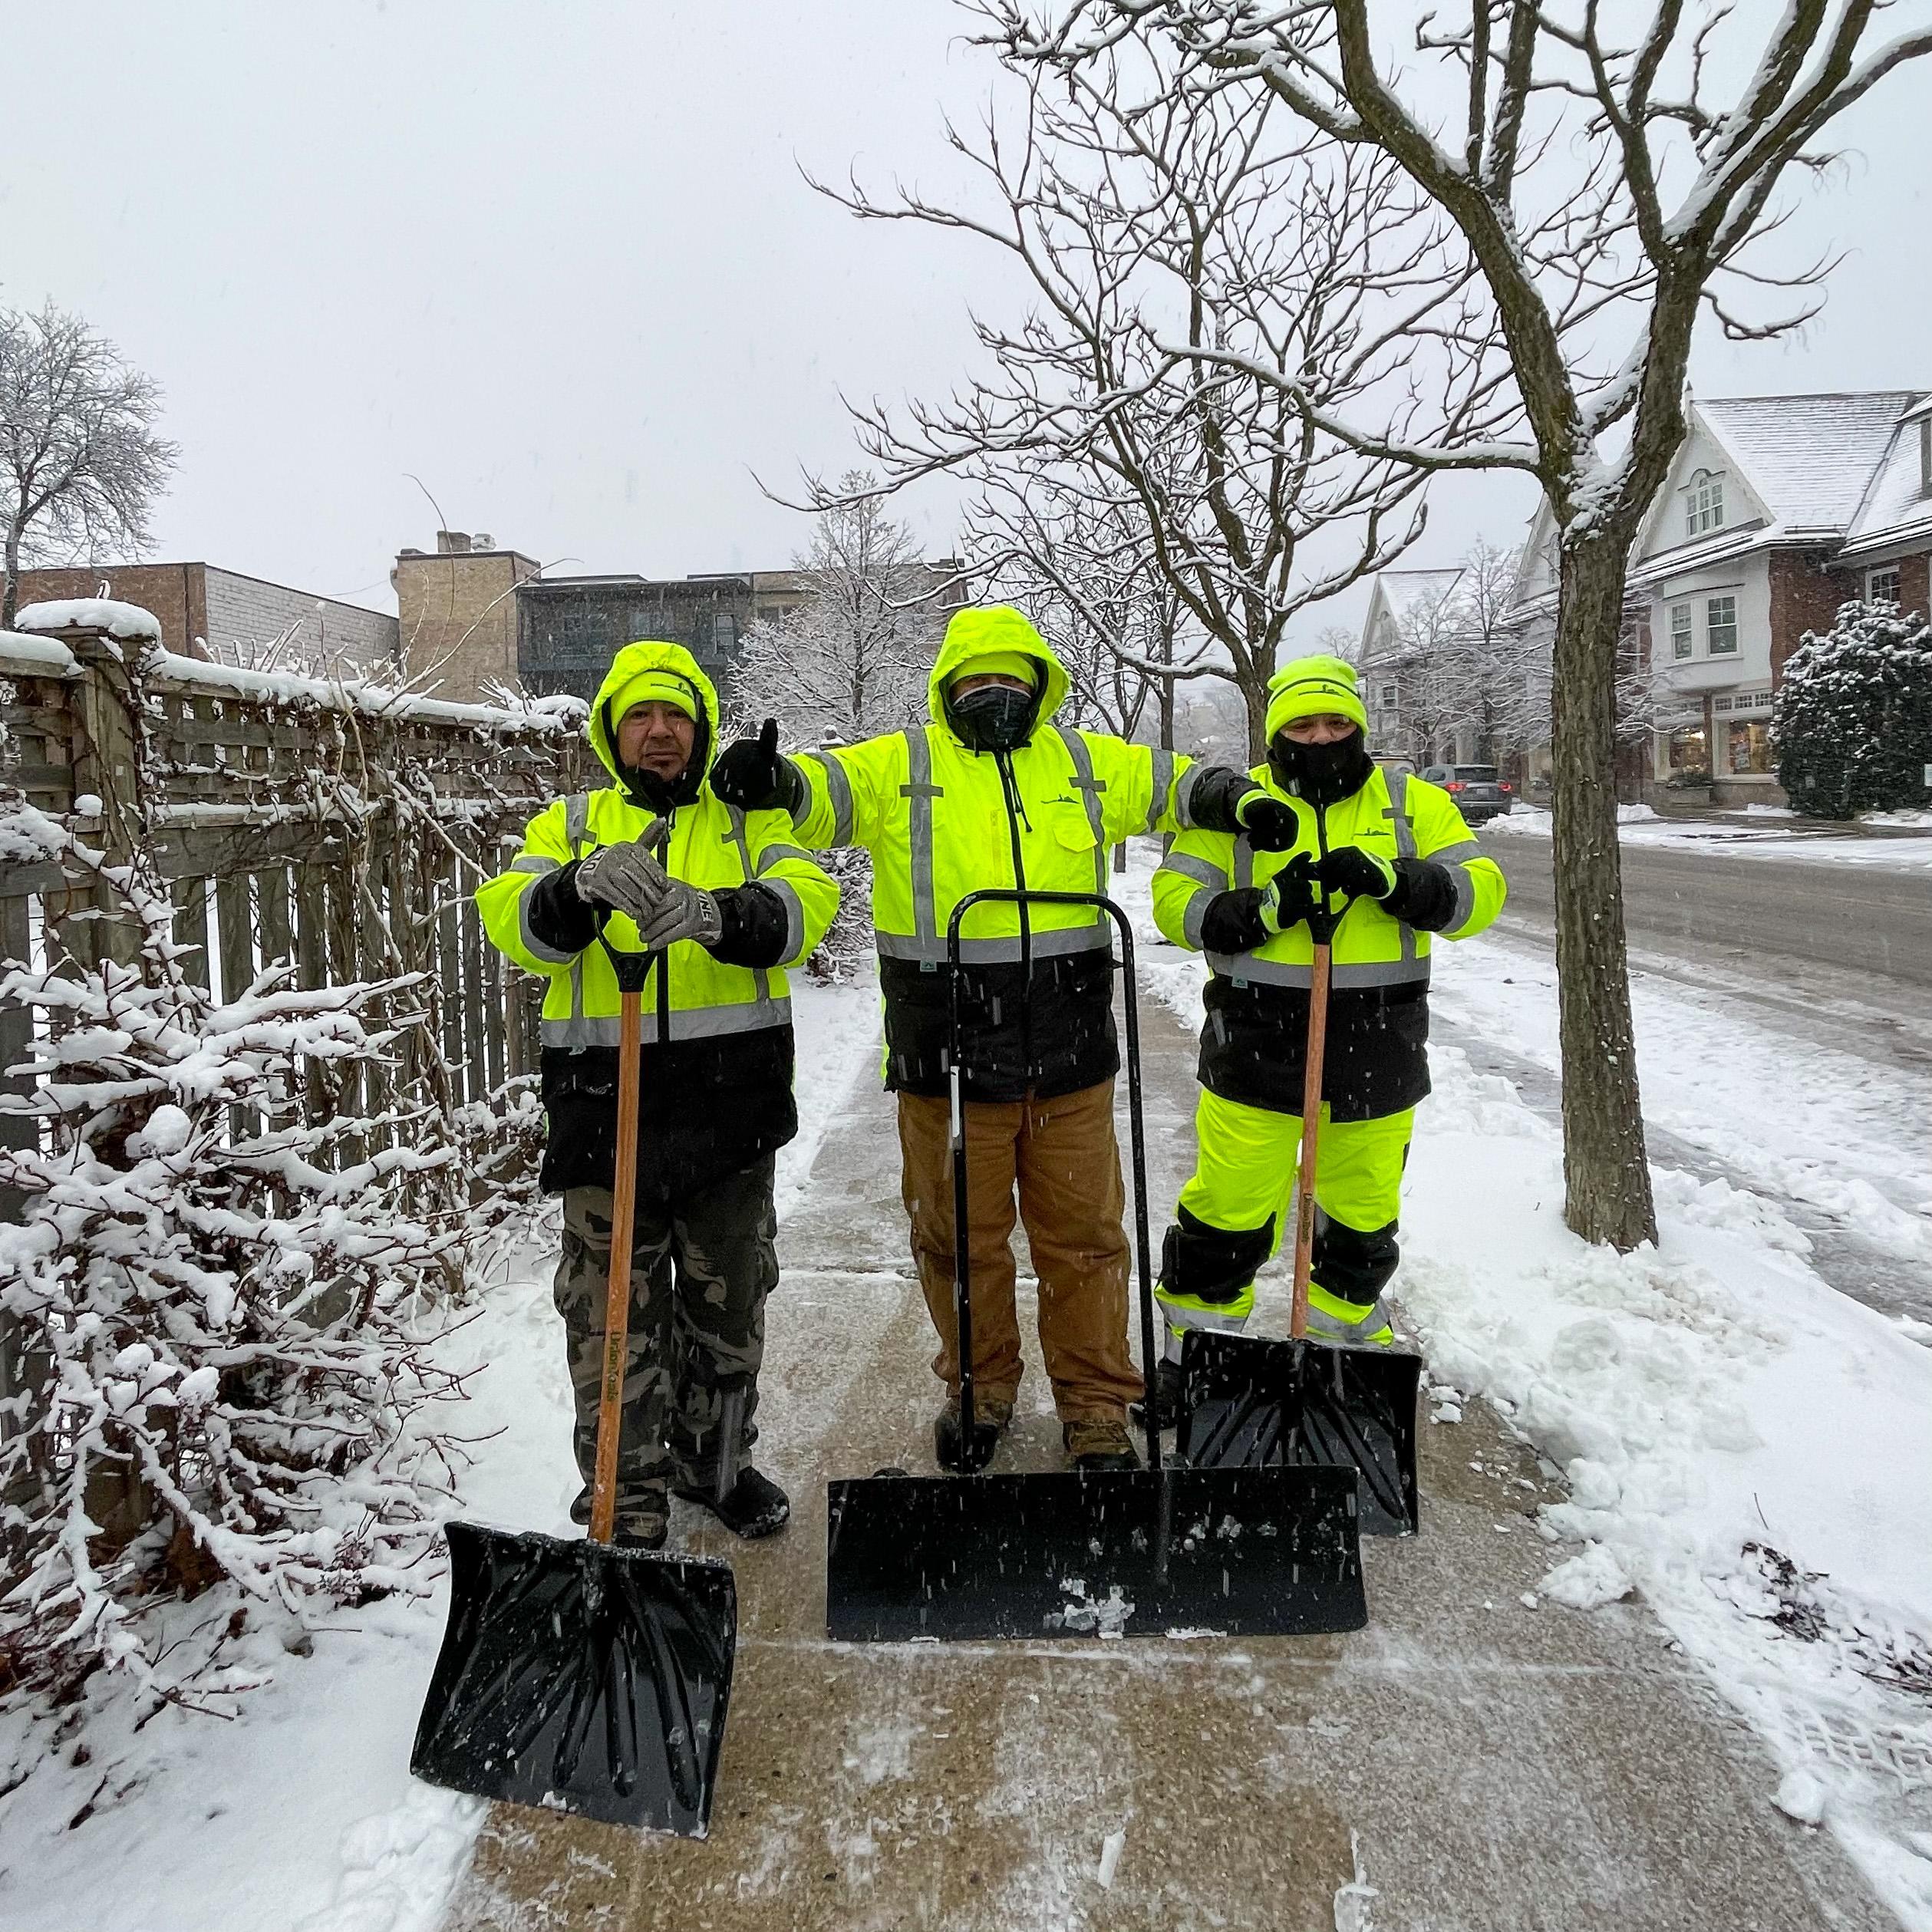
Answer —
(575, 1674)
(1266, 1551)
(1249, 1402)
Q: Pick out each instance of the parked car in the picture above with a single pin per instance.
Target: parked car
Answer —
(1478, 790)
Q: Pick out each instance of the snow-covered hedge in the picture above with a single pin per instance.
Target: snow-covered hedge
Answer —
(1853, 726)
(218, 1298)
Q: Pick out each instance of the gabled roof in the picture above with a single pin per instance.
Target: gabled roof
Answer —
(1405, 590)
(1808, 458)
(1896, 506)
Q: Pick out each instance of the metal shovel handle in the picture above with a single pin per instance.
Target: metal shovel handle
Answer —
(955, 1054)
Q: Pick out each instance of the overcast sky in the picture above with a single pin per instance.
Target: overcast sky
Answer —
(558, 261)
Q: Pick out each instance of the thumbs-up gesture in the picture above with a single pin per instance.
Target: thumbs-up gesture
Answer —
(753, 774)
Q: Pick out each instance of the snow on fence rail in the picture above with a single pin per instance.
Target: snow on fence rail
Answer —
(337, 827)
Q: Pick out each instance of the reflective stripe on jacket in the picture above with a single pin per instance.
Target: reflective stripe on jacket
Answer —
(935, 817)
(942, 820)
(1399, 817)
(716, 1091)
(1253, 1039)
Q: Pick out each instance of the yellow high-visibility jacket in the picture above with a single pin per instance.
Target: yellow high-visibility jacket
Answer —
(717, 1089)
(941, 820)
(1254, 1037)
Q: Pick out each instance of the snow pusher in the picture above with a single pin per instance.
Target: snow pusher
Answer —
(1251, 1402)
(581, 1676)
(1270, 1550)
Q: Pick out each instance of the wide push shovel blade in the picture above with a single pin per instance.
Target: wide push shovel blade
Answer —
(1247, 1402)
(582, 1677)
(1129, 1553)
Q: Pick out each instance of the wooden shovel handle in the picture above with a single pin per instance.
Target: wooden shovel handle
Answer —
(617, 1295)
(1304, 1187)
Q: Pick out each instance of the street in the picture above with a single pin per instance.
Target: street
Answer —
(1781, 919)
(1784, 1034)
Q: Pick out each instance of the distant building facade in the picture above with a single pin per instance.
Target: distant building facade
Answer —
(205, 611)
(1777, 510)
(568, 629)
(456, 610)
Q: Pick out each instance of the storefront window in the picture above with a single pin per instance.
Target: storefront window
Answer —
(1749, 746)
(1688, 750)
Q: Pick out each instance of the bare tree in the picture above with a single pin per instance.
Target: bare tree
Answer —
(851, 659)
(1609, 190)
(80, 463)
(1080, 567)
(1215, 219)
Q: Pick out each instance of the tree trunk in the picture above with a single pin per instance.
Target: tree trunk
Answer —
(1606, 1173)
(1254, 695)
(10, 593)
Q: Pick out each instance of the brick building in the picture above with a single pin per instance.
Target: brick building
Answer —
(1777, 510)
(472, 615)
(456, 609)
(238, 619)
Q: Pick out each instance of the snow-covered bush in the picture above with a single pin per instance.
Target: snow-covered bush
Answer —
(846, 949)
(215, 1291)
(1853, 726)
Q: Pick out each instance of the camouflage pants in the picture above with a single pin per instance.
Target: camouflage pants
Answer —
(701, 1266)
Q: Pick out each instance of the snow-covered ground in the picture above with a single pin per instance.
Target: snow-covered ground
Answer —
(1759, 832)
(1750, 1448)
(300, 1812)
(1745, 1446)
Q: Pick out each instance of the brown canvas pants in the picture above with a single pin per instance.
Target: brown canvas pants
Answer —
(1061, 1155)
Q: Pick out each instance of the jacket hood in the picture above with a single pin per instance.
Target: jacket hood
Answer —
(634, 663)
(980, 634)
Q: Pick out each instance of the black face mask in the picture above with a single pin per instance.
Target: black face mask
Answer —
(993, 718)
(1323, 774)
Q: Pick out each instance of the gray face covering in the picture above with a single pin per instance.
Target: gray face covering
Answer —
(993, 718)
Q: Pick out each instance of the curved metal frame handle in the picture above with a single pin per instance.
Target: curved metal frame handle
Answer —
(962, 1266)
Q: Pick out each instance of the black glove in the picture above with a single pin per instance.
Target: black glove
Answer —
(1270, 824)
(753, 775)
(1290, 896)
(1361, 874)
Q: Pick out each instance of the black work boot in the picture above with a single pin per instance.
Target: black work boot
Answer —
(753, 1507)
(1099, 1442)
(1167, 1397)
(991, 1416)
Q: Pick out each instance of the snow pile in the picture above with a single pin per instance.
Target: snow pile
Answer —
(118, 620)
(1635, 814)
(1741, 1443)
(1913, 821)
(302, 1812)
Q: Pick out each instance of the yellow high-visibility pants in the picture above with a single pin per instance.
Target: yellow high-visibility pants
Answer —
(1235, 1211)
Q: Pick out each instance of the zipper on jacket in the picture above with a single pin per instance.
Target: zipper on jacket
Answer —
(1016, 815)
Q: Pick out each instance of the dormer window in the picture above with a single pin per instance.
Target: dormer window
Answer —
(1704, 502)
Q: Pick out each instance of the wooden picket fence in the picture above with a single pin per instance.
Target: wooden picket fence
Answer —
(339, 827)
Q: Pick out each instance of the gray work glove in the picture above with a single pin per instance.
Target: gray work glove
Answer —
(625, 877)
(682, 912)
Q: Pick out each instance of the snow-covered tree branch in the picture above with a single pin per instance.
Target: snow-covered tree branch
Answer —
(1608, 189)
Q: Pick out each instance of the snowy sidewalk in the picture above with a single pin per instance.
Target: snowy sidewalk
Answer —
(1479, 1758)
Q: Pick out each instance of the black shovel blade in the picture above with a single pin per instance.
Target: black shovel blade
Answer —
(1248, 1401)
(582, 1678)
(1129, 1553)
